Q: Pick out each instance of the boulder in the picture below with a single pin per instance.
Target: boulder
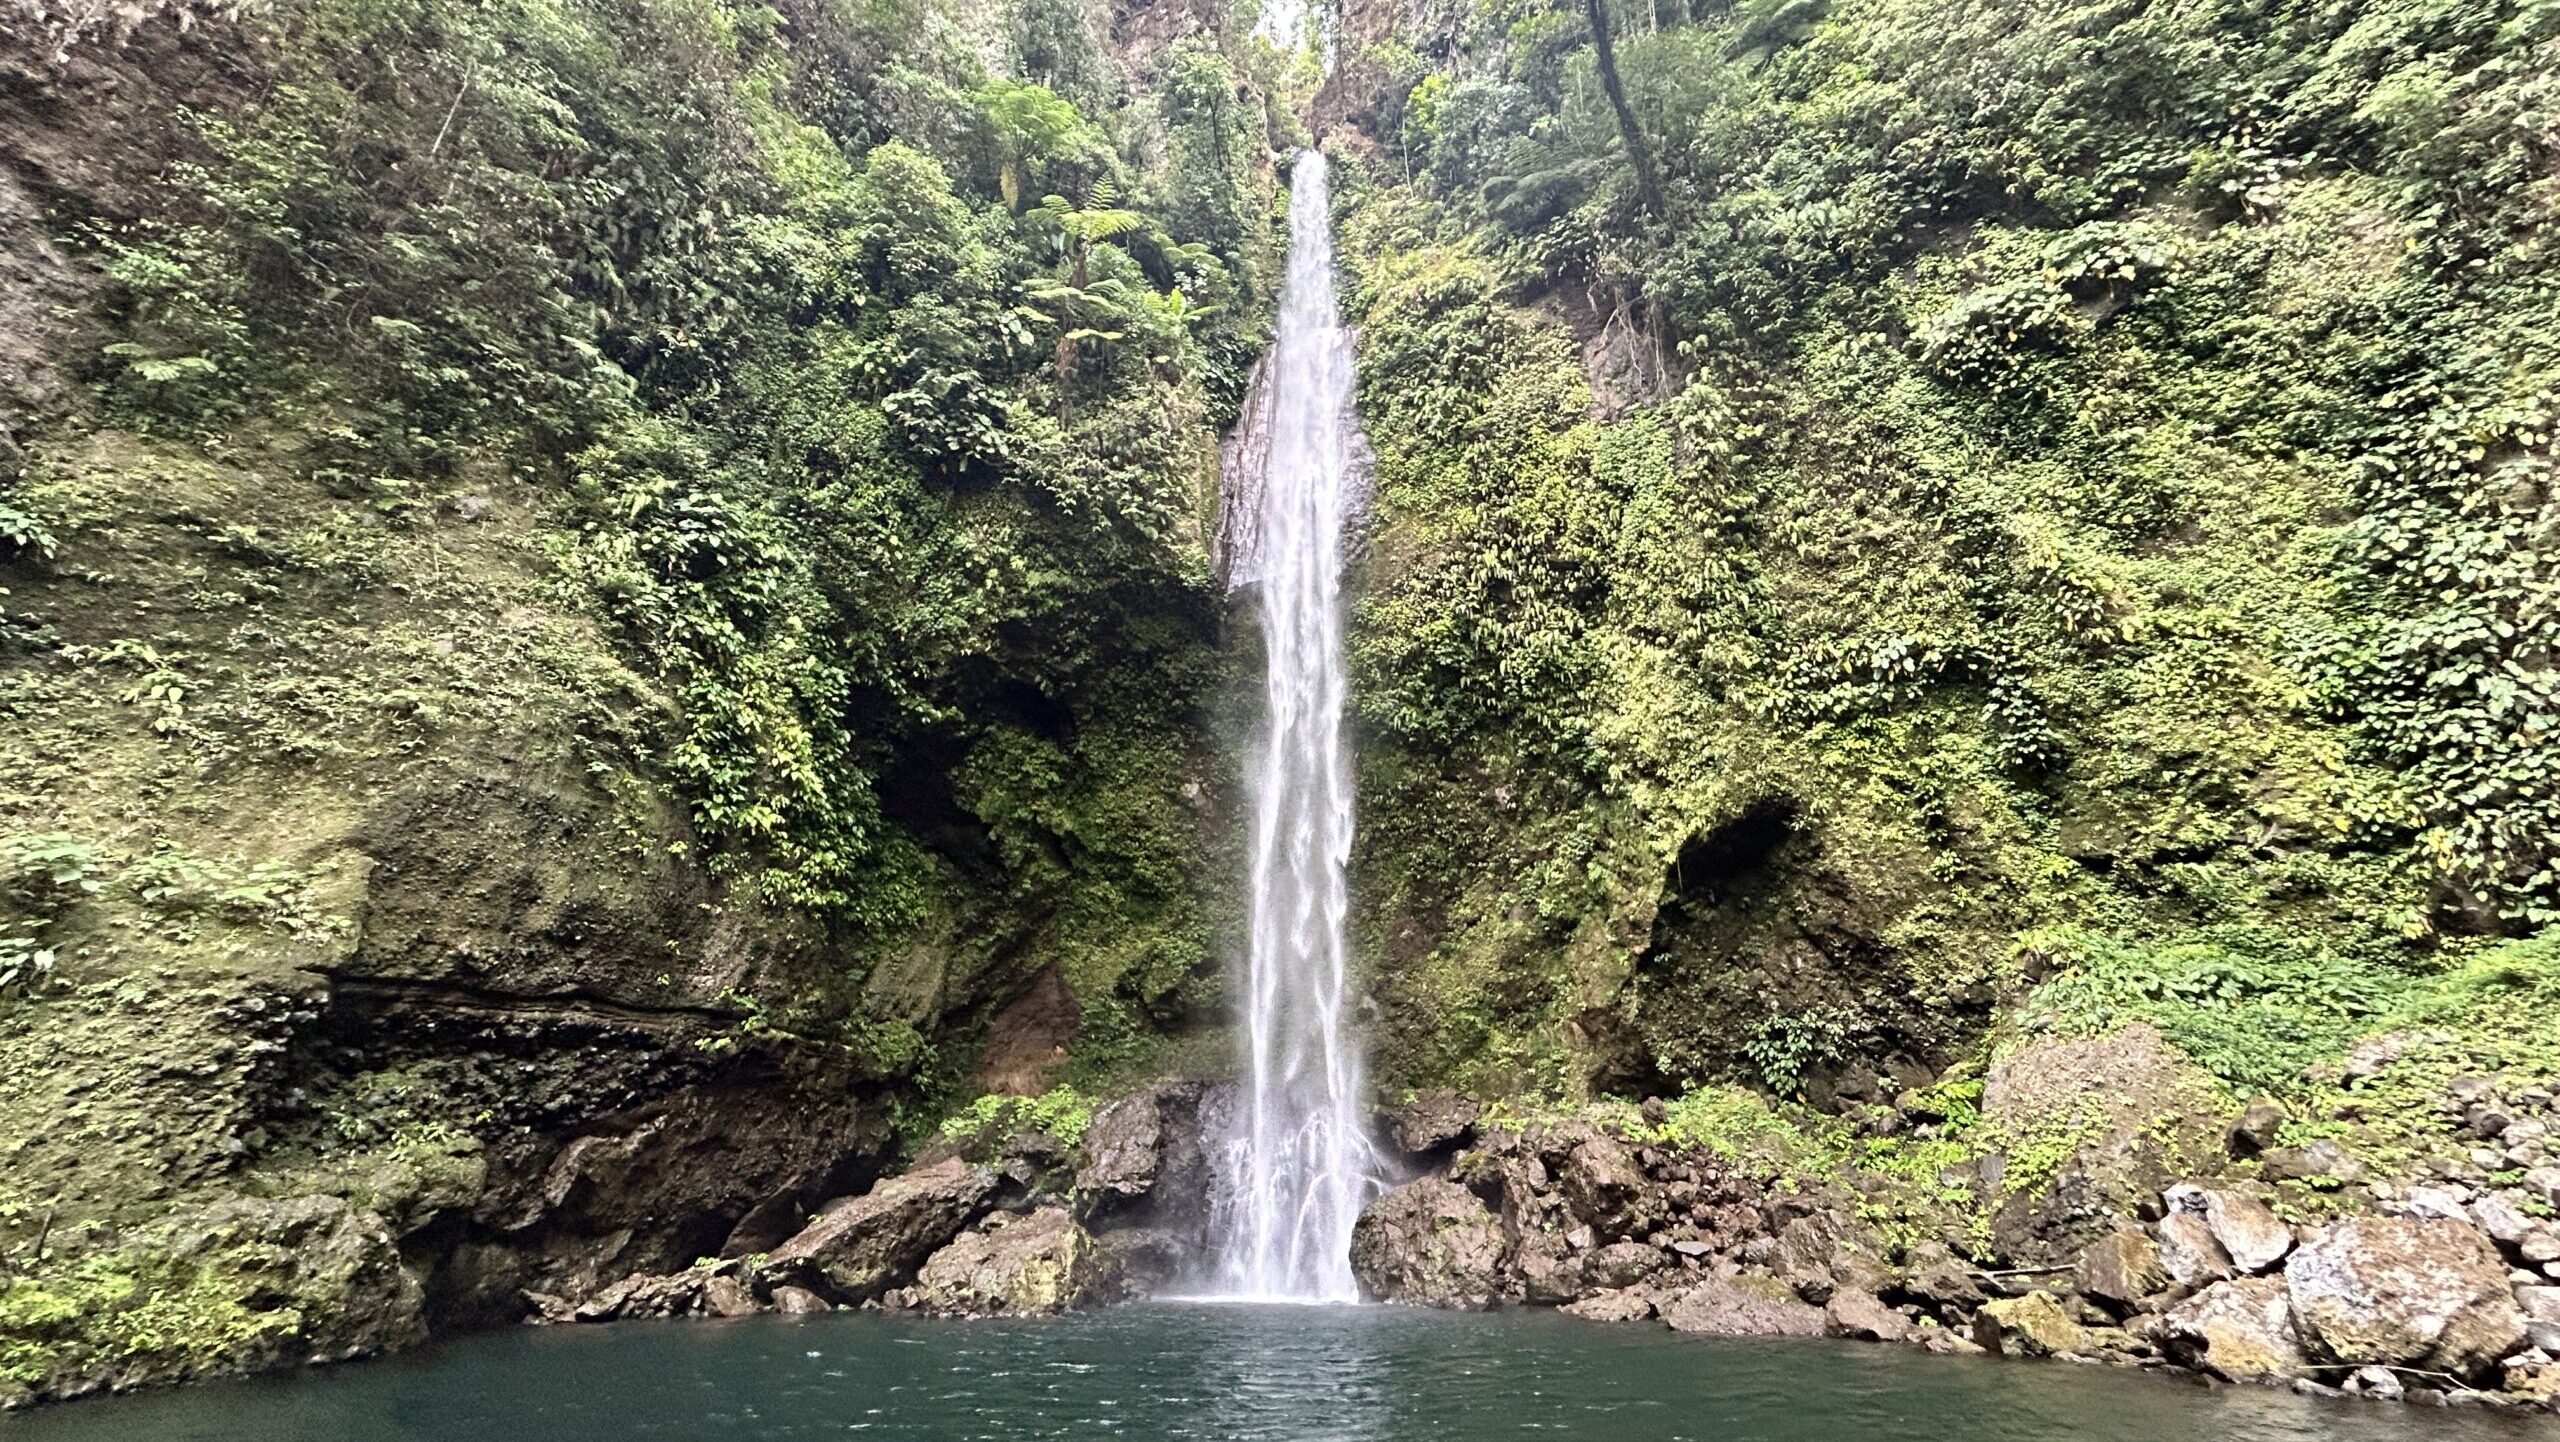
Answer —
(1604, 1188)
(1008, 1265)
(2030, 1326)
(2498, 1215)
(2122, 1115)
(2121, 1268)
(1548, 1268)
(798, 1302)
(2315, 1161)
(1429, 1242)
(1932, 1275)
(1623, 1264)
(861, 1246)
(1752, 1306)
(2377, 1053)
(727, 1297)
(1121, 1152)
(322, 1279)
(2254, 1130)
(1817, 1254)
(1432, 1121)
(2544, 1182)
(2539, 1303)
(2189, 1252)
(2424, 1292)
(2241, 1331)
(2248, 1231)
(1863, 1316)
(1623, 1304)
(715, 1290)
(2534, 1382)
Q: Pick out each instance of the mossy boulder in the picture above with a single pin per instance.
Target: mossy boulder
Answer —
(2034, 1325)
(2088, 1130)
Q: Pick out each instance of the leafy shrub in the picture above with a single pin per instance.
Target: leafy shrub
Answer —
(1061, 1112)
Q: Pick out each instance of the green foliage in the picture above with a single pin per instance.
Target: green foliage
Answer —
(2257, 1007)
(2097, 484)
(1061, 1112)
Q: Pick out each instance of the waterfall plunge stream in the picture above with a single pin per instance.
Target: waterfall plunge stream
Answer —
(1301, 1164)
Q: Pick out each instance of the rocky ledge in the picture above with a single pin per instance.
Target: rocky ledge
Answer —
(1007, 1223)
(2444, 1294)
(2239, 1261)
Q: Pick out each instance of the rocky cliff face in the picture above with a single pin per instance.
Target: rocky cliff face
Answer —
(579, 657)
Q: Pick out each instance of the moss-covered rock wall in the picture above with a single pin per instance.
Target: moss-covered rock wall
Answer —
(606, 609)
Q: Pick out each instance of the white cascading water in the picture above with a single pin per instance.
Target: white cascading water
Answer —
(1301, 1164)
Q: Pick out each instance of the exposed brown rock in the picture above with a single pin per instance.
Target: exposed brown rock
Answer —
(2121, 1268)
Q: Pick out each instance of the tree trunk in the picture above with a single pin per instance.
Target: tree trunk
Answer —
(1648, 182)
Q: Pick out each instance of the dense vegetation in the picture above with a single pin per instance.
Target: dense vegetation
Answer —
(2021, 491)
(687, 508)
(866, 388)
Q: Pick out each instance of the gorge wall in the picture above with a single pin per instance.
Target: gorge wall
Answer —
(2027, 515)
(609, 613)
(607, 609)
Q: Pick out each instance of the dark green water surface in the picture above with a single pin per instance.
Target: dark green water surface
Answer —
(1287, 1374)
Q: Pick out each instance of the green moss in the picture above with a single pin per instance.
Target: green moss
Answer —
(2058, 550)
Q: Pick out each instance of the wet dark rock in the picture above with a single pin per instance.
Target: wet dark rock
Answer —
(1433, 1121)
(860, 1246)
(1146, 1174)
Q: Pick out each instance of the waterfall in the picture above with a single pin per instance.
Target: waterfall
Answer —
(1300, 1165)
